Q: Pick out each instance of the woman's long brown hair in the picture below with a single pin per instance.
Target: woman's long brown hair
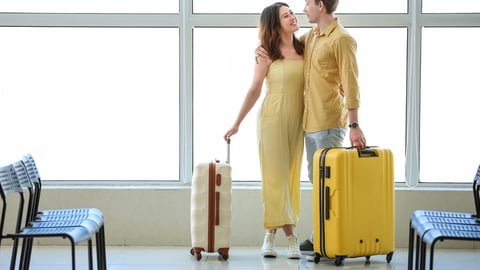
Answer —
(269, 33)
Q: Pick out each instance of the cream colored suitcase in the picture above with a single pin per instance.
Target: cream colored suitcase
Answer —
(211, 208)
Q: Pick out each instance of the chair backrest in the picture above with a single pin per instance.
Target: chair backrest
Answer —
(21, 172)
(26, 184)
(476, 191)
(34, 176)
(9, 183)
(31, 168)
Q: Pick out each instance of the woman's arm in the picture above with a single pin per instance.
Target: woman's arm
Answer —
(260, 71)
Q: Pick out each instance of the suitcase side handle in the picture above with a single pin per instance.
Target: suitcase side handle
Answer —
(327, 203)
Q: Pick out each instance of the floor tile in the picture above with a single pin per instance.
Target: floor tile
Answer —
(241, 258)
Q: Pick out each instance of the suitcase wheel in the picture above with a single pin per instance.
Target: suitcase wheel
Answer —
(196, 253)
(224, 257)
(339, 261)
(389, 257)
(223, 253)
(367, 260)
(316, 259)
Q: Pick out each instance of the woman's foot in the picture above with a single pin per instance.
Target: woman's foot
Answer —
(293, 250)
(268, 247)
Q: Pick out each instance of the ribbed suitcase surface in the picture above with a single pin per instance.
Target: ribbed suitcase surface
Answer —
(353, 203)
(211, 208)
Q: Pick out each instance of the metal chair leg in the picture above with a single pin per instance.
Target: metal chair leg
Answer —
(411, 243)
(90, 260)
(423, 252)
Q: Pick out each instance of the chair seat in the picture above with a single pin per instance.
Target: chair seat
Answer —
(441, 214)
(440, 231)
(91, 226)
(71, 211)
(421, 223)
(75, 234)
(53, 218)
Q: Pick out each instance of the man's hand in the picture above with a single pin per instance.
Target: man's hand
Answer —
(357, 138)
(262, 55)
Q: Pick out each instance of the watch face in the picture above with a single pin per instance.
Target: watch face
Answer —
(353, 125)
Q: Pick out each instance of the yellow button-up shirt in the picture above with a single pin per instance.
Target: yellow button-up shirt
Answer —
(329, 62)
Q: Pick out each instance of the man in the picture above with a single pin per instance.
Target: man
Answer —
(331, 85)
(332, 95)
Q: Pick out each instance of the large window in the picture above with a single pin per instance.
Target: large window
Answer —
(445, 6)
(372, 6)
(256, 6)
(450, 98)
(102, 98)
(248, 6)
(220, 90)
(382, 54)
(145, 90)
(90, 6)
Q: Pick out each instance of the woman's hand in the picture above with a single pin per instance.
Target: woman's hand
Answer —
(229, 133)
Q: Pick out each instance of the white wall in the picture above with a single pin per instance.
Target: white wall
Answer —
(160, 216)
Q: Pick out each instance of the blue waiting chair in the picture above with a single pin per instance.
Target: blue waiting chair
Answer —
(427, 227)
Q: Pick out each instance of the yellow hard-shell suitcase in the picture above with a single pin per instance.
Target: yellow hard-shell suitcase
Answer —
(353, 203)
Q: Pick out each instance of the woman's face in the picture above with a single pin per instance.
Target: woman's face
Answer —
(288, 20)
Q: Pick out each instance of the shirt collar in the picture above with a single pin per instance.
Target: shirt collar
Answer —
(329, 29)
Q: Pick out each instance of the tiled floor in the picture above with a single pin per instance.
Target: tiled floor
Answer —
(241, 258)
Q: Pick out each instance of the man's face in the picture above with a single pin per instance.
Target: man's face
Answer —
(312, 10)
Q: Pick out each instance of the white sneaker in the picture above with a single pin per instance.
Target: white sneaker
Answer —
(268, 248)
(293, 250)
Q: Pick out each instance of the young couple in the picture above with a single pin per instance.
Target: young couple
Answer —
(312, 94)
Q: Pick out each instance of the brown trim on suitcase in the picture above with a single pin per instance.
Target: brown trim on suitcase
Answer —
(217, 208)
(211, 206)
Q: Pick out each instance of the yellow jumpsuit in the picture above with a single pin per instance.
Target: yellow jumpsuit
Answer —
(280, 143)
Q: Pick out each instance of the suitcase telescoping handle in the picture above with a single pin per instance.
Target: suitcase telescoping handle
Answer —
(228, 151)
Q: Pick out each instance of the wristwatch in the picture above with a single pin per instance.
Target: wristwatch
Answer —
(353, 125)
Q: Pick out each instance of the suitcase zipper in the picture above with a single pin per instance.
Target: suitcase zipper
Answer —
(322, 201)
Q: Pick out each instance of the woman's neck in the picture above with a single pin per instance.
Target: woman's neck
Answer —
(286, 41)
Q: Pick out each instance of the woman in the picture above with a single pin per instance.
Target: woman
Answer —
(279, 128)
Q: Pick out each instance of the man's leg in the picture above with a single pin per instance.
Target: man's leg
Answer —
(313, 141)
